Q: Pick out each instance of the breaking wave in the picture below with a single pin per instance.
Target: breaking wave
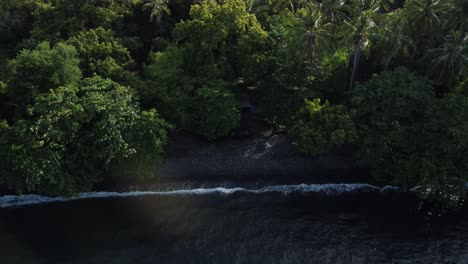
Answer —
(327, 189)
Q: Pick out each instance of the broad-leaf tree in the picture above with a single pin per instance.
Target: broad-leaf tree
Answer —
(36, 71)
(73, 136)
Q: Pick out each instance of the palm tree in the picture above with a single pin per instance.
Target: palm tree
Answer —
(311, 36)
(298, 4)
(425, 19)
(361, 34)
(334, 11)
(257, 6)
(449, 62)
(157, 7)
(394, 42)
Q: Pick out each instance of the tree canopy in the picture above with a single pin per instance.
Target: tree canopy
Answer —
(382, 81)
(74, 134)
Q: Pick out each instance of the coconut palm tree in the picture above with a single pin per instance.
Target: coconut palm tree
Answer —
(334, 11)
(361, 33)
(361, 29)
(425, 19)
(157, 9)
(257, 6)
(298, 4)
(311, 37)
(449, 62)
(394, 42)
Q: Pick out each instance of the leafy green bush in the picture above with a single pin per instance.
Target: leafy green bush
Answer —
(412, 138)
(443, 145)
(214, 111)
(320, 127)
(389, 108)
(65, 18)
(220, 41)
(3, 88)
(334, 76)
(73, 136)
(167, 84)
(101, 53)
(37, 71)
(147, 137)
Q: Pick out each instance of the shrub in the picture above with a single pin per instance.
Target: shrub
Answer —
(214, 111)
(389, 109)
(320, 127)
(412, 138)
(443, 143)
(36, 71)
(167, 84)
(334, 76)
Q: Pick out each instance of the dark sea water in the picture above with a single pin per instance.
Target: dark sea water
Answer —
(361, 225)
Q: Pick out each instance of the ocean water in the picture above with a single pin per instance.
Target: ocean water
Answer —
(330, 223)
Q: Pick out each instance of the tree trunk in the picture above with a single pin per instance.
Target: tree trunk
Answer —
(356, 58)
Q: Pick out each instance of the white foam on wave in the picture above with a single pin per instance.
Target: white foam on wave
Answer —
(329, 189)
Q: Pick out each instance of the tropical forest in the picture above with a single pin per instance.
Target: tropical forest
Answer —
(92, 90)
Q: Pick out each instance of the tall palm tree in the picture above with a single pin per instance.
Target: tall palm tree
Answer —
(394, 41)
(361, 33)
(449, 62)
(425, 19)
(311, 37)
(334, 11)
(298, 4)
(257, 6)
(157, 9)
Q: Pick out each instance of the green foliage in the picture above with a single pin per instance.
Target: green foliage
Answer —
(16, 19)
(3, 88)
(73, 136)
(168, 85)
(462, 87)
(147, 136)
(264, 10)
(334, 11)
(427, 18)
(173, 52)
(214, 111)
(388, 106)
(220, 41)
(283, 94)
(360, 35)
(319, 127)
(311, 37)
(36, 71)
(449, 62)
(412, 138)
(442, 141)
(288, 80)
(64, 18)
(101, 53)
(394, 40)
(333, 76)
(157, 9)
(5, 53)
